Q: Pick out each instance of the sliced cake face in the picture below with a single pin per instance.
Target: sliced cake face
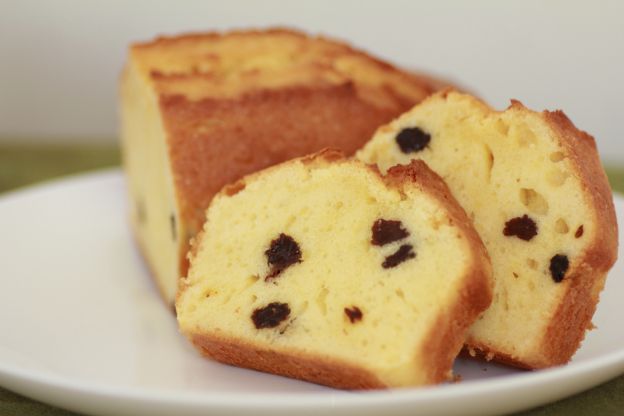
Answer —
(200, 111)
(153, 206)
(320, 269)
(534, 187)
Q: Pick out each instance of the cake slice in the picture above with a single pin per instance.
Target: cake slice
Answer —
(323, 270)
(537, 194)
(199, 111)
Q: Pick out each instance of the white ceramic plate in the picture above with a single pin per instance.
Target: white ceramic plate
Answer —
(82, 327)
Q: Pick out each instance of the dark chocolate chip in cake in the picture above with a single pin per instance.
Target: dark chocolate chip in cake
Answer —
(387, 231)
(579, 232)
(412, 139)
(522, 227)
(405, 252)
(283, 252)
(271, 315)
(559, 264)
(353, 313)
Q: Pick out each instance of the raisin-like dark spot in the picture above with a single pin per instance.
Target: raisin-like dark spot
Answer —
(172, 222)
(283, 252)
(354, 313)
(271, 315)
(579, 232)
(412, 139)
(405, 252)
(387, 231)
(522, 227)
(558, 267)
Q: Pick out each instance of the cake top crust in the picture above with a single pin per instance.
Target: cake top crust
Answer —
(233, 64)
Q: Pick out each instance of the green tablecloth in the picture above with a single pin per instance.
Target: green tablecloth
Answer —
(22, 165)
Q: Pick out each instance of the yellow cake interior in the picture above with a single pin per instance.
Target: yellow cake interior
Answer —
(501, 166)
(329, 212)
(153, 209)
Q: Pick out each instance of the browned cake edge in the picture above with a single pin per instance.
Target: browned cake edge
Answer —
(573, 316)
(586, 277)
(447, 335)
(293, 364)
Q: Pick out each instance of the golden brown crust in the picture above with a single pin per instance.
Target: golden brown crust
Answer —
(482, 352)
(474, 298)
(581, 149)
(299, 365)
(328, 154)
(229, 64)
(331, 46)
(587, 275)
(448, 334)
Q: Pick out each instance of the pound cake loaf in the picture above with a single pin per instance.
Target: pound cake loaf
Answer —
(538, 196)
(199, 111)
(323, 270)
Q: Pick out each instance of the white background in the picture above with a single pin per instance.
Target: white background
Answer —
(60, 60)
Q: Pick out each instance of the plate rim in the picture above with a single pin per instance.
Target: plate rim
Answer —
(613, 361)
(603, 367)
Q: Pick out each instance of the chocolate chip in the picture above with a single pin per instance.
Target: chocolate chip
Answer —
(387, 231)
(522, 227)
(579, 232)
(412, 139)
(283, 252)
(354, 313)
(172, 222)
(271, 315)
(558, 267)
(404, 253)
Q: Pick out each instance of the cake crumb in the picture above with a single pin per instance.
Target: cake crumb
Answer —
(457, 378)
